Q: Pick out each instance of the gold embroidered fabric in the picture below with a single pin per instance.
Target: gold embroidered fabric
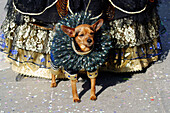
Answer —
(36, 71)
(132, 59)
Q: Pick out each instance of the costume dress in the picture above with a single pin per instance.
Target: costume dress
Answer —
(134, 27)
(26, 34)
(27, 31)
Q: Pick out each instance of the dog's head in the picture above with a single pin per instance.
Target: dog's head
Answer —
(83, 34)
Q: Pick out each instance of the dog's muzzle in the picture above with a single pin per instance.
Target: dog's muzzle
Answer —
(80, 53)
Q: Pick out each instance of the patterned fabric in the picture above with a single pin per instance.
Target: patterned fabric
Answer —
(62, 8)
(127, 33)
(27, 36)
(27, 46)
(92, 75)
(31, 70)
(133, 59)
(70, 76)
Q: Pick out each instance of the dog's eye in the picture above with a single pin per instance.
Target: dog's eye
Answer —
(76, 35)
(91, 33)
(81, 35)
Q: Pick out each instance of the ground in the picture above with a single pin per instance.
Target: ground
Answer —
(147, 92)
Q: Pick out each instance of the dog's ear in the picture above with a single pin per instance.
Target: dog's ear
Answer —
(68, 30)
(96, 26)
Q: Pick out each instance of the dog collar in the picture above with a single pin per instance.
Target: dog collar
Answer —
(80, 53)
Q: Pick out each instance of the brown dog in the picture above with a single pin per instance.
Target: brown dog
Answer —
(84, 37)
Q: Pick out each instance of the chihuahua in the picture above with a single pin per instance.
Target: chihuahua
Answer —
(84, 38)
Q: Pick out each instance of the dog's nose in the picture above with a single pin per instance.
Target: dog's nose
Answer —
(89, 40)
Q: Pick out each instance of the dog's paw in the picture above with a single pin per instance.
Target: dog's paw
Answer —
(93, 97)
(76, 100)
(53, 84)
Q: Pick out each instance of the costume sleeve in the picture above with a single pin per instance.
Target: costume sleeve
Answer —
(139, 10)
(33, 6)
(130, 5)
(49, 11)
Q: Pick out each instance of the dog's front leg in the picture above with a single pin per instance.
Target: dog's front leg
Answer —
(74, 91)
(92, 76)
(53, 81)
(93, 89)
(73, 79)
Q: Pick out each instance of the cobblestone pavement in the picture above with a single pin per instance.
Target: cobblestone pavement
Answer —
(147, 92)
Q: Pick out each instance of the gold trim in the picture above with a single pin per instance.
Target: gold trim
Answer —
(69, 76)
(92, 74)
